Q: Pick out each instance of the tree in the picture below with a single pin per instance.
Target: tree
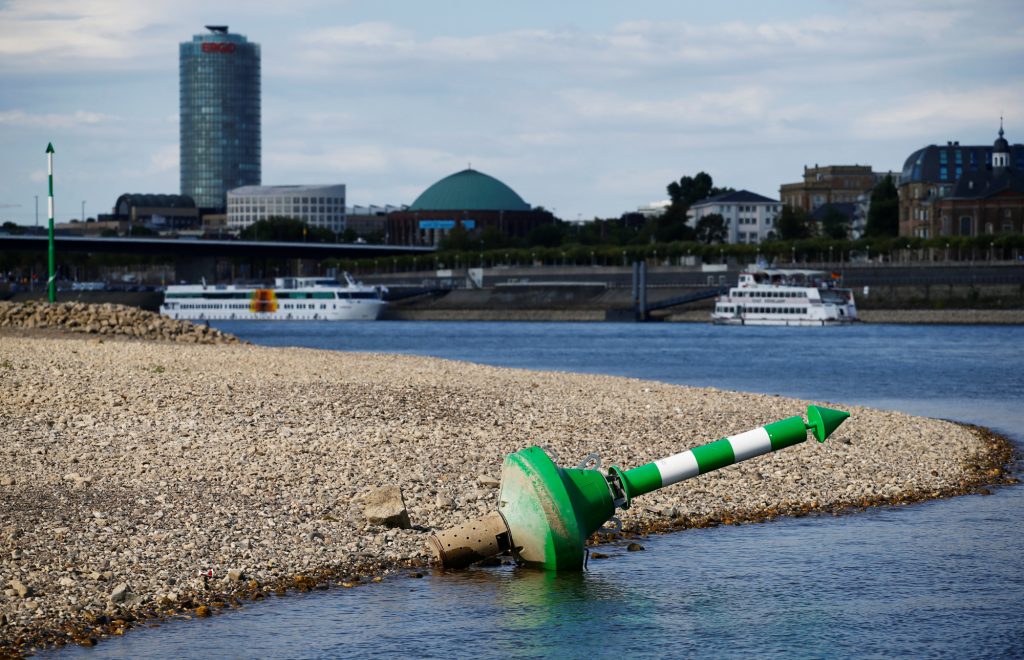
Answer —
(835, 224)
(792, 224)
(671, 226)
(349, 235)
(712, 229)
(287, 230)
(884, 213)
(690, 189)
(456, 239)
(547, 235)
(492, 238)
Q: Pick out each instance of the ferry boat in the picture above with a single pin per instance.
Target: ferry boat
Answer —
(290, 299)
(785, 297)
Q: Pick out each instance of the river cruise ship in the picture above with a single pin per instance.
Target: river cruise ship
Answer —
(290, 299)
(785, 297)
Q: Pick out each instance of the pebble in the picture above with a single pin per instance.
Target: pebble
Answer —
(193, 482)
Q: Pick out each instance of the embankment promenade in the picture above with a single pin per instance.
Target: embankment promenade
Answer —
(142, 477)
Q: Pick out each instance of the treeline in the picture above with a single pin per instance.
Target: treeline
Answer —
(818, 250)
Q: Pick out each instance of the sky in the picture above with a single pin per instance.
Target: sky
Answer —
(589, 109)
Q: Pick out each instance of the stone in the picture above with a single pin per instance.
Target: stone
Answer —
(120, 593)
(487, 481)
(385, 505)
(20, 590)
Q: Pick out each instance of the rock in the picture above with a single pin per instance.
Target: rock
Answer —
(634, 547)
(6, 480)
(386, 506)
(119, 593)
(235, 574)
(20, 590)
(488, 481)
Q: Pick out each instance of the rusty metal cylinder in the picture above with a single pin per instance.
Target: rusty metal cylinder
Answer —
(470, 542)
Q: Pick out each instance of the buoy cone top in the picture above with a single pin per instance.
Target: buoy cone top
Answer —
(823, 421)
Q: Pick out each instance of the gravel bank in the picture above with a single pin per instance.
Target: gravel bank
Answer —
(148, 478)
(106, 320)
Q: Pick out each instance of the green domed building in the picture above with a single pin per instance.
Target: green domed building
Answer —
(469, 199)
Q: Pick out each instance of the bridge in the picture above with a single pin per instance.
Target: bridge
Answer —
(185, 247)
(197, 258)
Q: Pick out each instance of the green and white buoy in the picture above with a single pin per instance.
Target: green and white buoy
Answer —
(546, 513)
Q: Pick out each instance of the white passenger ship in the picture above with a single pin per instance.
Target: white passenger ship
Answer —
(290, 299)
(785, 297)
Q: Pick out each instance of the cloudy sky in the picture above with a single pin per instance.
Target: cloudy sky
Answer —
(587, 108)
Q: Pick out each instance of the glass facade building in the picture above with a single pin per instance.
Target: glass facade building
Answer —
(219, 115)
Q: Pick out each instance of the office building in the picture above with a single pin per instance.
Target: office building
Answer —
(219, 76)
(317, 206)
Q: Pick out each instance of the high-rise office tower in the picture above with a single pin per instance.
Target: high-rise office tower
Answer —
(219, 115)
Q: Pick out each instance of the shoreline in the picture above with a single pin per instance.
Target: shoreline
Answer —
(203, 476)
(877, 316)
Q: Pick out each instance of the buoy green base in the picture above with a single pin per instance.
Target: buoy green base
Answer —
(551, 511)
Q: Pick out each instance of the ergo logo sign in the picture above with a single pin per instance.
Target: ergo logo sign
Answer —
(214, 47)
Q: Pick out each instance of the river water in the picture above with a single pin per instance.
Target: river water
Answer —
(943, 579)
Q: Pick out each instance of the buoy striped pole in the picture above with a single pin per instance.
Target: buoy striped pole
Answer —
(51, 284)
(733, 449)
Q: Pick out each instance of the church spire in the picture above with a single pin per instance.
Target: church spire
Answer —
(1000, 150)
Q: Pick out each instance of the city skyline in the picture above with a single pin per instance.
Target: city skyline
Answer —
(586, 109)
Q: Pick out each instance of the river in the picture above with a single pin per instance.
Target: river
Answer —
(940, 579)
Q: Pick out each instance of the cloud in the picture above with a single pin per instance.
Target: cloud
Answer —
(78, 119)
(163, 160)
(932, 115)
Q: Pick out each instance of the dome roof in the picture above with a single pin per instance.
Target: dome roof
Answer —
(469, 190)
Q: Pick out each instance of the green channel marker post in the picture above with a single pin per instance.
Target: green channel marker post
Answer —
(51, 283)
(546, 513)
